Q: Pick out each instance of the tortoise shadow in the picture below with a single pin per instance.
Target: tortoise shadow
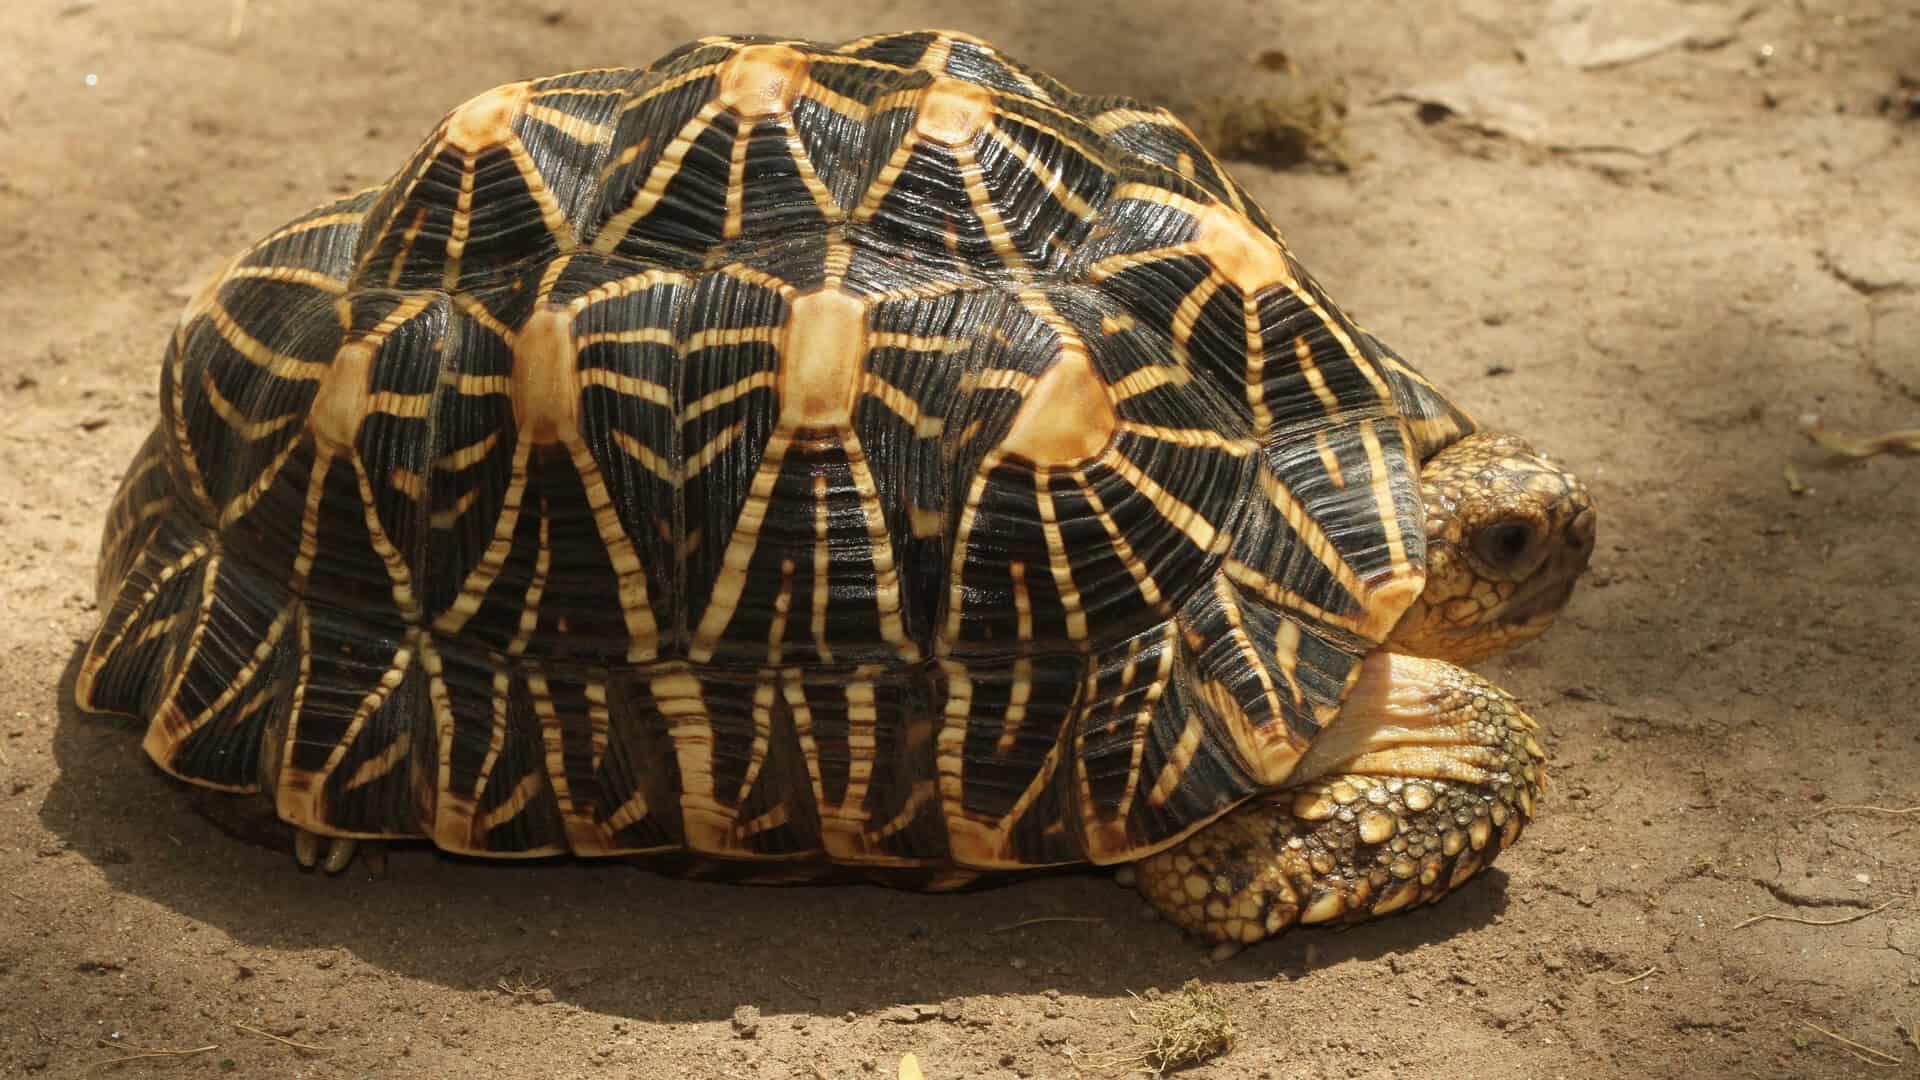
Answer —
(618, 940)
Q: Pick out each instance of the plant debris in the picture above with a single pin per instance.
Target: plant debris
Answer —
(1184, 1028)
(1305, 124)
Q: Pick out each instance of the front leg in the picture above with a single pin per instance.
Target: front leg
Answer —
(1429, 772)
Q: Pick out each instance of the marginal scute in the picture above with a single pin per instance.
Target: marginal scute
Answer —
(486, 121)
(761, 80)
(1067, 418)
(1249, 259)
(953, 112)
(546, 385)
(820, 365)
(340, 401)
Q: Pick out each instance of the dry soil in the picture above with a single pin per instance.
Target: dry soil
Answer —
(1653, 260)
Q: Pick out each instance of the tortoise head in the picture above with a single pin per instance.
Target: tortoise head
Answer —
(1508, 532)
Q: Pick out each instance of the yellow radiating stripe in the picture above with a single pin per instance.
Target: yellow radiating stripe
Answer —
(1178, 759)
(370, 703)
(296, 707)
(736, 182)
(820, 95)
(478, 312)
(956, 570)
(524, 793)
(733, 335)
(726, 395)
(496, 737)
(1303, 356)
(762, 713)
(483, 385)
(406, 406)
(1383, 497)
(1318, 544)
(462, 224)
(1279, 596)
(242, 424)
(809, 178)
(1143, 380)
(529, 620)
(258, 353)
(1142, 576)
(405, 198)
(738, 557)
(1329, 460)
(297, 275)
(668, 86)
(635, 604)
(376, 767)
(626, 286)
(99, 652)
(644, 335)
(630, 385)
(399, 578)
(663, 171)
(1176, 512)
(644, 454)
(892, 339)
(822, 558)
(168, 719)
(876, 192)
(468, 456)
(1198, 438)
(1143, 722)
(1114, 119)
(473, 588)
(715, 446)
(1051, 178)
(1187, 316)
(240, 681)
(1058, 560)
(310, 521)
(886, 573)
(1250, 655)
(551, 214)
(244, 502)
(577, 128)
(1256, 367)
(901, 405)
(998, 235)
(445, 519)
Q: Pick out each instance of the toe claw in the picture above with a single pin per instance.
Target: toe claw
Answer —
(339, 854)
(306, 848)
(373, 853)
(1126, 877)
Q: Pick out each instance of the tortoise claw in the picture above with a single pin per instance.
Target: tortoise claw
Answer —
(330, 853)
(306, 848)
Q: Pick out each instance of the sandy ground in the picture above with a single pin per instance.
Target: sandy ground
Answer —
(1655, 268)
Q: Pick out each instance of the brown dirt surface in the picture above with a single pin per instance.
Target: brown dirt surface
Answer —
(1654, 266)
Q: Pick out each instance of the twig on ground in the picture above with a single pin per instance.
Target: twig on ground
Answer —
(1047, 919)
(1859, 808)
(1812, 922)
(311, 1048)
(1848, 448)
(1878, 1058)
(141, 1053)
(1635, 978)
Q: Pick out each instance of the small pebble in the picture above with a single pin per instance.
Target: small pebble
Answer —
(746, 1021)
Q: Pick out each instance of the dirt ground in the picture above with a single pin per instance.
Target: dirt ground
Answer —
(1653, 260)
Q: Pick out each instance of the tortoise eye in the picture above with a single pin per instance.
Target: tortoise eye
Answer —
(1506, 545)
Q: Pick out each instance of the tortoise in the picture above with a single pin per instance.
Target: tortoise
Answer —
(868, 459)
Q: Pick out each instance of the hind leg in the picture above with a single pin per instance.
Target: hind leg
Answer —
(1429, 772)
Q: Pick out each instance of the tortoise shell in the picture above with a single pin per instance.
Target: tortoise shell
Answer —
(873, 452)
